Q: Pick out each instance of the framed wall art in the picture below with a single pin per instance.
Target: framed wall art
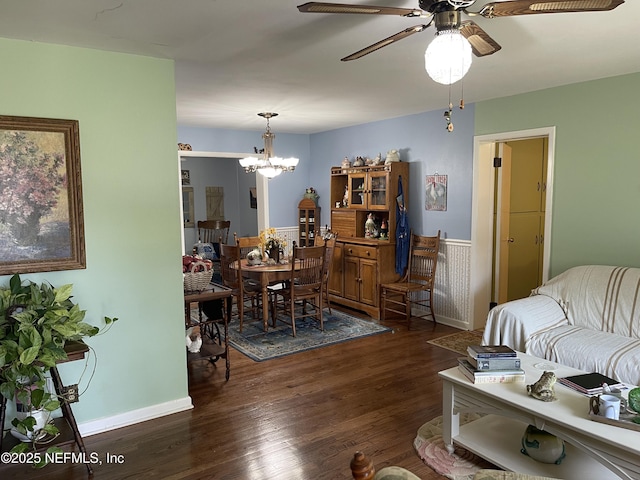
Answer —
(41, 214)
(436, 191)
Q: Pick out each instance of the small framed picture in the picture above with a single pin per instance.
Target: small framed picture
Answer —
(186, 179)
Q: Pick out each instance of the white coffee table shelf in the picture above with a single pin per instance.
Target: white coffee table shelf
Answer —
(593, 450)
(499, 438)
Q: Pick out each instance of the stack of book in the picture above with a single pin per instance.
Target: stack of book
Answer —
(491, 364)
(590, 383)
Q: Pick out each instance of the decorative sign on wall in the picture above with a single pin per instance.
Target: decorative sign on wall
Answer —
(436, 192)
(215, 203)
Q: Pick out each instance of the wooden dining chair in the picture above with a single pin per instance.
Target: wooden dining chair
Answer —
(329, 241)
(243, 291)
(214, 231)
(304, 285)
(246, 244)
(416, 286)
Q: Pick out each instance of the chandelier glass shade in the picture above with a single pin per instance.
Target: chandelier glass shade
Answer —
(448, 57)
(269, 165)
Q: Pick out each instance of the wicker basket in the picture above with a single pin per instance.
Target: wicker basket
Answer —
(197, 281)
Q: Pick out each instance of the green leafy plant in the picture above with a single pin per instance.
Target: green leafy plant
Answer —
(36, 322)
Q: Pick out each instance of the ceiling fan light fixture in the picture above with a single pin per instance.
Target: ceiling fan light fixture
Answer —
(448, 57)
(269, 165)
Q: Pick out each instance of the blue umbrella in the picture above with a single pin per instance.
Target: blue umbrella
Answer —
(402, 231)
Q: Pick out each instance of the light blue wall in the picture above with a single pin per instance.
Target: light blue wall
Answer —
(285, 190)
(597, 165)
(125, 106)
(422, 140)
(225, 173)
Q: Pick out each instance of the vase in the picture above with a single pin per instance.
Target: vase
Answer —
(274, 254)
(542, 446)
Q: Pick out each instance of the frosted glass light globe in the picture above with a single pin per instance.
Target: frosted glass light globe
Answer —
(448, 57)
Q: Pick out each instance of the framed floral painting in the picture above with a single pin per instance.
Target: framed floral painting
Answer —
(41, 215)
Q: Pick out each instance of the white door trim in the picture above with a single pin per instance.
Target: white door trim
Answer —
(482, 215)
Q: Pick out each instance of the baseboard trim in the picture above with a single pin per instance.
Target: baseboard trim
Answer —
(102, 425)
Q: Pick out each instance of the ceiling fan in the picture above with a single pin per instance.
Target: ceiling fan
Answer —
(446, 15)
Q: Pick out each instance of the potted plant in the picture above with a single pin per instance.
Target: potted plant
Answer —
(36, 322)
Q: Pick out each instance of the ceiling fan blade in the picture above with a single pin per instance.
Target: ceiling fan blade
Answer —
(481, 43)
(532, 7)
(321, 7)
(383, 43)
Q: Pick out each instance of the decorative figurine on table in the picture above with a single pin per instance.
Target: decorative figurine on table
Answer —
(377, 160)
(543, 388)
(370, 228)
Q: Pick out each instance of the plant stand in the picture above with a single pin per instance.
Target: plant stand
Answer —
(69, 432)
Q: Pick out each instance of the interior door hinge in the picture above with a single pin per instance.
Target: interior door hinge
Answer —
(497, 162)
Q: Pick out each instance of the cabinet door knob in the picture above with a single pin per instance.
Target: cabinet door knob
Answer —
(511, 240)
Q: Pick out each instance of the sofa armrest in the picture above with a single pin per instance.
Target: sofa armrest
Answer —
(512, 323)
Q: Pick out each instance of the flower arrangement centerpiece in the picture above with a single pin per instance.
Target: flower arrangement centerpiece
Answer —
(272, 244)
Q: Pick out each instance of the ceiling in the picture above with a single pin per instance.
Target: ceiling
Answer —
(235, 58)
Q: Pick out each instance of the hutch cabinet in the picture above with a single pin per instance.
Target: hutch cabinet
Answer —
(308, 222)
(361, 260)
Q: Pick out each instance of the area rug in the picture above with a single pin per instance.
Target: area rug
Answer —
(277, 342)
(459, 341)
(461, 465)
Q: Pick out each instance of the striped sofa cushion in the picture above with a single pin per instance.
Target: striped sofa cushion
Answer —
(613, 355)
(598, 297)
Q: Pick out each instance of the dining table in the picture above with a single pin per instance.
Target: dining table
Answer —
(266, 274)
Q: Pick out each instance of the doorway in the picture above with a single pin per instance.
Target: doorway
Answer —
(520, 202)
(262, 186)
(483, 246)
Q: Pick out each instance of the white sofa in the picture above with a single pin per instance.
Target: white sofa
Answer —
(587, 317)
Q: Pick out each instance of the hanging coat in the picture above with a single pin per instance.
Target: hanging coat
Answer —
(402, 231)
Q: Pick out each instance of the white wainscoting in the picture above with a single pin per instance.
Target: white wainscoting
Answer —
(451, 297)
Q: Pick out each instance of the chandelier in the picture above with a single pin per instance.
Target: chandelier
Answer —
(269, 165)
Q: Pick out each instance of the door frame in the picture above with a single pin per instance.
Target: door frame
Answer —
(482, 215)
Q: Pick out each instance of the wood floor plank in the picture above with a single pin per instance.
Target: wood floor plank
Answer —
(297, 417)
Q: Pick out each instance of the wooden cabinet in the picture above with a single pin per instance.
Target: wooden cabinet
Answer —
(308, 222)
(360, 267)
(361, 264)
(358, 191)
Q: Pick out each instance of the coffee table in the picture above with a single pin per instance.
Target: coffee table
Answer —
(593, 450)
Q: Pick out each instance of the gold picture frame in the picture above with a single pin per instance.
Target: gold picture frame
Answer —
(41, 212)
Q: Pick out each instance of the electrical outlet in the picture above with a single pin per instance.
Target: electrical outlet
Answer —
(70, 393)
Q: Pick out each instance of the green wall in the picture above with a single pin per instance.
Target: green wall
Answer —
(125, 106)
(597, 165)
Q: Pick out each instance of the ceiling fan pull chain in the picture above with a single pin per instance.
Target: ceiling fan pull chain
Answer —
(447, 113)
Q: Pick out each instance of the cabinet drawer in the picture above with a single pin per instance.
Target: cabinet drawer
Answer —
(343, 222)
(361, 251)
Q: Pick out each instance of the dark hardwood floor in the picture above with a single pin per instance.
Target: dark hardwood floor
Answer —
(297, 417)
